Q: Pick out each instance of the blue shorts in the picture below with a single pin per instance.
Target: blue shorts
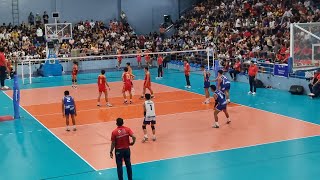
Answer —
(68, 112)
(225, 87)
(151, 121)
(206, 84)
(221, 107)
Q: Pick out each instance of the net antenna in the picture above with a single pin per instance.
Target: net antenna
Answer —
(55, 34)
(304, 44)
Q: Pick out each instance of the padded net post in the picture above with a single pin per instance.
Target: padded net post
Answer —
(16, 97)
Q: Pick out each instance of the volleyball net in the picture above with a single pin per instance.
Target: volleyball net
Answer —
(89, 67)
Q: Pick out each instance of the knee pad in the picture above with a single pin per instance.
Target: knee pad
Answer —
(144, 127)
(152, 127)
(75, 80)
(72, 80)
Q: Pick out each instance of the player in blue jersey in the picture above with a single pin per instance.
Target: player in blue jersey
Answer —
(69, 109)
(220, 105)
(206, 84)
(223, 84)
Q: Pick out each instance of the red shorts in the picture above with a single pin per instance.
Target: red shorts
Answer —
(102, 88)
(119, 60)
(139, 59)
(74, 75)
(127, 87)
(147, 86)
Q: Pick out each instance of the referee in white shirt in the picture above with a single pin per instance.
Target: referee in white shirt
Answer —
(149, 118)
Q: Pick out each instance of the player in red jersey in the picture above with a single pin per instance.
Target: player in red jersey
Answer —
(74, 74)
(119, 58)
(147, 58)
(102, 86)
(127, 85)
(147, 83)
(132, 76)
(139, 57)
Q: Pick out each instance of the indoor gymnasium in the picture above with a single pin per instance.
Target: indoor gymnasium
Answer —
(159, 90)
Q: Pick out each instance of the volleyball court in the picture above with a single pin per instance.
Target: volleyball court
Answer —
(184, 124)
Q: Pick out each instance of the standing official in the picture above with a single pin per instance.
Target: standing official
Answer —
(252, 72)
(121, 143)
(3, 69)
(187, 73)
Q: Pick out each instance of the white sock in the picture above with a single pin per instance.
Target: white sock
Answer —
(216, 123)
(154, 136)
(145, 136)
(67, 127)
(74, 126)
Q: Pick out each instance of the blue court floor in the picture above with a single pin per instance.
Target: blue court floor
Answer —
(29, 151)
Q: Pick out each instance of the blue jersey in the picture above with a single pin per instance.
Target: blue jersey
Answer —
(221, 97)
(68, 102)
(224, 81)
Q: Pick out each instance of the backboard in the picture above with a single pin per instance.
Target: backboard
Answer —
(59, 31)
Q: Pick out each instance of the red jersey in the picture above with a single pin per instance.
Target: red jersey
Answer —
(147, 80)
(139, 58)
(147, 57)
(102, 80)
(121, 137)
(160, 60)
(119, 57)
(237, 66)
(187, 69)
(75, 70)
(2, 59)
(253, 70)
(126, 77)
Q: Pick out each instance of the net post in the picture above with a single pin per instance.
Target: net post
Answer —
(30, 71)
(16, 97)
(22, 71)
(312, 56)
(291, 41)
(208, 59)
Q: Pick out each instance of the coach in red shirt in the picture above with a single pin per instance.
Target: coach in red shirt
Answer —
(3, 68)
(187, 73)
(121, 142)
(160, 61)
(252, 72)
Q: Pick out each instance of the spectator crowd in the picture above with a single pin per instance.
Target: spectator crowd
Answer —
(235, 28)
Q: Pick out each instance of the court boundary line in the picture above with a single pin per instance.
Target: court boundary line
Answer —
(54, 135)
(217, 151)
(253, 107)
(128, 105)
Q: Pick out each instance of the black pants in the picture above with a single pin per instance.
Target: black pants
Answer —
(2, 75)
(164, 63)
(188, 80)
(252, 83)
(123, 154)
(233, 74)
(160, 72)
